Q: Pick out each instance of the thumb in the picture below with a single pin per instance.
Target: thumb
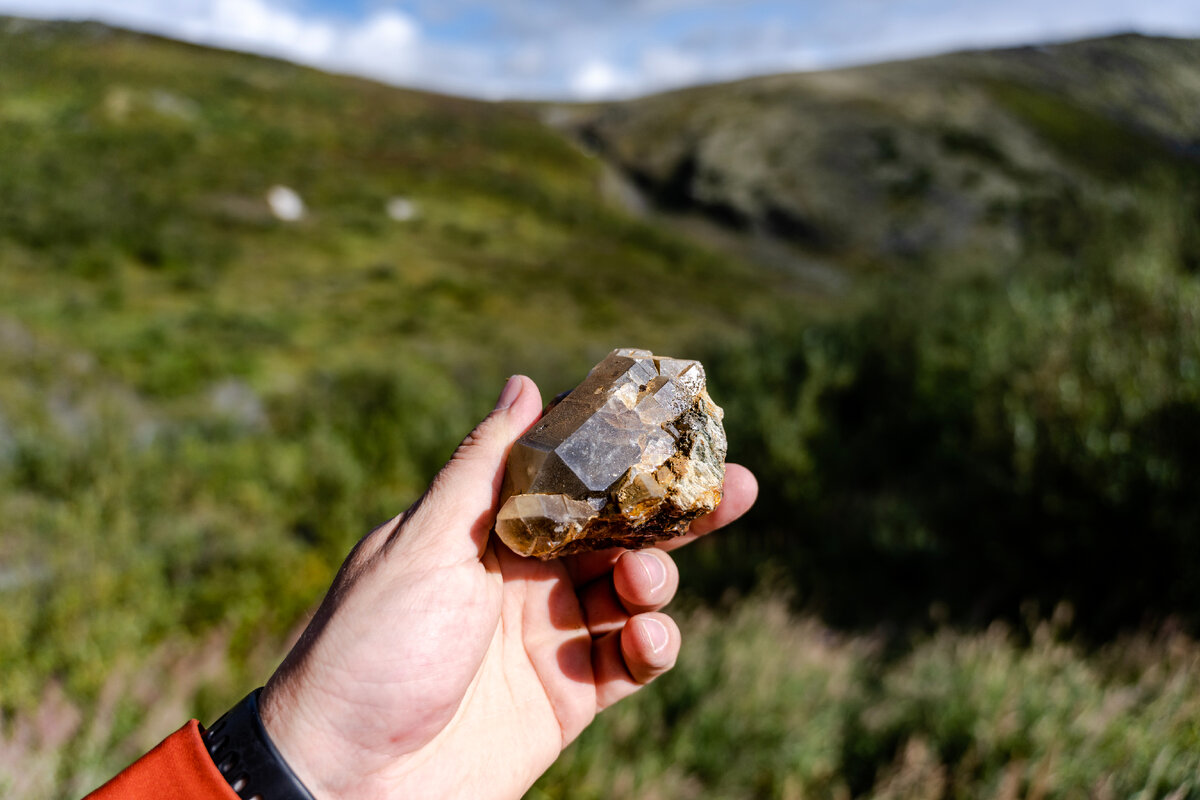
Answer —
(463, 496)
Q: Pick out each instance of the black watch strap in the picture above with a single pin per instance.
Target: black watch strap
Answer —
(246, 756)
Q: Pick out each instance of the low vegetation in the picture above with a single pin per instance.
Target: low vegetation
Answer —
(767, 704)
(972, 570)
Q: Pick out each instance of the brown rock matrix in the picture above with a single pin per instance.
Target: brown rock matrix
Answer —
(630, 457)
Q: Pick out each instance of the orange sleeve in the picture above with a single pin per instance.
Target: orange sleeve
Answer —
(179, 767)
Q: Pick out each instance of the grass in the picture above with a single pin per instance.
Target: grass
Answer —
(767, 703)
(202, 406)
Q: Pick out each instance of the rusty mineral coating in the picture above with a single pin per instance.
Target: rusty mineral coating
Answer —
(630, 457)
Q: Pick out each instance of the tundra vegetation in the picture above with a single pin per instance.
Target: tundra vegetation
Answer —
(951, 308)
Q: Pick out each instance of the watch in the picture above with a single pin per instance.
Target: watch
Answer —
(247, 758)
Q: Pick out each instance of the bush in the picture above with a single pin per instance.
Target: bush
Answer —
(982, 441)
(765, 704)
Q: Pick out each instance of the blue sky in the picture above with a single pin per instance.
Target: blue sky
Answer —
(590, 49)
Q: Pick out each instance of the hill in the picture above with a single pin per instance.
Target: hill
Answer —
(197, 392)
(977, 153)
(951, 307)
(1022, 223)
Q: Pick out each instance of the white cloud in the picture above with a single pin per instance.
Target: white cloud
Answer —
(260, 25)
(527, 60)
(385, 45)
(664, 67)
(381, 45)
(596, 79)
(593, 49)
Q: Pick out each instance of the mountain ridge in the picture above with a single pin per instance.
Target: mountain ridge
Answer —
(945, 156)
(909, 158)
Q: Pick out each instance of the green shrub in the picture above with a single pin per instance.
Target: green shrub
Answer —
(764, 704)
(982, 440)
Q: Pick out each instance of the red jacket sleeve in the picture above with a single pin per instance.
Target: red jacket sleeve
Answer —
(179, 767)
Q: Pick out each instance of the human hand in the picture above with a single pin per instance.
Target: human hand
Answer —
(441, 664)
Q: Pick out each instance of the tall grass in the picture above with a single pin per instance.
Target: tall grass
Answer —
(763, 703)
(767, 704)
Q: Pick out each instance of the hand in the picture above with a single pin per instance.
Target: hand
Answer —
(441, 664)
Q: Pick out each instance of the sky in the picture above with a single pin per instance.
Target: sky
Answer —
(597, 49)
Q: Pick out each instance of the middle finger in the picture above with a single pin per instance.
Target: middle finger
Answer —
(641, 581)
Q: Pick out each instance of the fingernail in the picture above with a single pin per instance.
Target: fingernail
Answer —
(656, 634)
(509, 394)
(656, 573)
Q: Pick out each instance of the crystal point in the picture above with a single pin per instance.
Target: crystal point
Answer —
(630, 457)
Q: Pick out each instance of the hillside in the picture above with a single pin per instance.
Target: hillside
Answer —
(195, 391)
(977, 153)
(1006, 422)
(951, 308)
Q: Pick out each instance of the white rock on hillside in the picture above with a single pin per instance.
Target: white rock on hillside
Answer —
(285, 204)
(401, 209)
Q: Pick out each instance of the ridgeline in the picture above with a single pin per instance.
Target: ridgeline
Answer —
(951, 307)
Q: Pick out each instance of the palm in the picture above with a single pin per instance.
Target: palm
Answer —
(442, 664)
(521, 652)
(529, 681)
(471, 657)
(518, 667)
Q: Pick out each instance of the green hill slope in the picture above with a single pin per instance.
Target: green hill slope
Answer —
(194, 391)
(1008, 422)
(973, 154)
(126, 152)
(951, 306)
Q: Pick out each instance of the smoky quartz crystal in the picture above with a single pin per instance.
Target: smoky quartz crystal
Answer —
(630, 457)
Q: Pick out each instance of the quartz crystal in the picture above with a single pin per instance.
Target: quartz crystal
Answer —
(631, 456)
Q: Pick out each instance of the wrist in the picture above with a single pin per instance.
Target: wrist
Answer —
(332, 768)
(335, 769)
(246, 757)
(306, 747)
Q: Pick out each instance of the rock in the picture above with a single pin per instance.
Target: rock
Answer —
(285, 204)
(8, 443)
(401, 209)
(630, 457)
(234, 401)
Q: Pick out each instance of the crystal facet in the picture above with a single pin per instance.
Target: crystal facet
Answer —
(631, 456)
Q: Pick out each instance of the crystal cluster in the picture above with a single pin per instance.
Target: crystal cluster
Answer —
(631, 456)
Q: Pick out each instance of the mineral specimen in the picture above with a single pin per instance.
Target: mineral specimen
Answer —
(631, 456)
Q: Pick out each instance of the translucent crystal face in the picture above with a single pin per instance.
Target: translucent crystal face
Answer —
(612, 462)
